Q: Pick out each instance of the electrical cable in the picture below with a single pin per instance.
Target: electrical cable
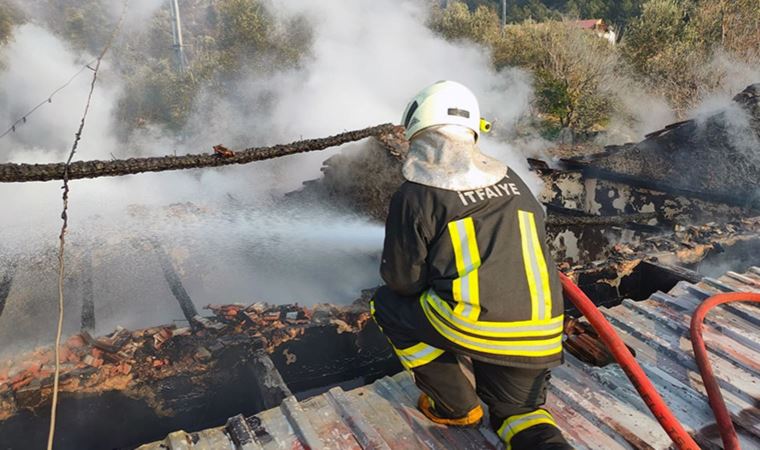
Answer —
(48, 99)
(61, 237)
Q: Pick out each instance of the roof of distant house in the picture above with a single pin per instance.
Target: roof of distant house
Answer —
(590, 24)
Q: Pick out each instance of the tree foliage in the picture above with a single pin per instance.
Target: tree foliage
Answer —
(224, 39)
(570, 66)
(682, 50)
(618, 12)
(672, 47)
(675, 45)
(572, 69)
(457, 22)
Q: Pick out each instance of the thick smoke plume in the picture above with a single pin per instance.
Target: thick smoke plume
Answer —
(228, 230)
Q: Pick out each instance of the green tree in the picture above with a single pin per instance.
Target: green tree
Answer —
(248, 31)
(673, 46)
(458, 22)
(225, 40)
(571, 67)
(245, 28)
(572, 70)
(662, 22)
(617, 12)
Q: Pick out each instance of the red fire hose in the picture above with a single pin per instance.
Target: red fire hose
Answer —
(639, 379)
(725, 425)
(626, 360)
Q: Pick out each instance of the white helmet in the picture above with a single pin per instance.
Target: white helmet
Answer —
(443, 103)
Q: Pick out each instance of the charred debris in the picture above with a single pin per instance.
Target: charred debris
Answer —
(238, 358)
(625, 223)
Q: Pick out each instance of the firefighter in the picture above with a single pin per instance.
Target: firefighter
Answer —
(468, 274)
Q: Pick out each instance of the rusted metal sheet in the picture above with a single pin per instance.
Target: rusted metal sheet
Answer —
(379, 416)
(658, 331)
(596, 407)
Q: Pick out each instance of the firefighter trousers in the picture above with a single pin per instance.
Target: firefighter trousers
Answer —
(514, 396)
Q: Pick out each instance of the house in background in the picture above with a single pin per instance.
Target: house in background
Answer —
(599, 27)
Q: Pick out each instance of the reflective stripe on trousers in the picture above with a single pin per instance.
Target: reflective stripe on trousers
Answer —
(515, 424)
(417, 355)
(414, 356)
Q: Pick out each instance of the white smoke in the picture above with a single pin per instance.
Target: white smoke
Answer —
(368, 58)
(639, 113)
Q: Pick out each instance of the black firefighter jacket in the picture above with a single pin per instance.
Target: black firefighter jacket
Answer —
(480, 267)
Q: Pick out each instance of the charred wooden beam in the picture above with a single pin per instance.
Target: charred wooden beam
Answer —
(5, 284)
(270, 388)
(175, 282)
(590, 171)
(88, 296)
(624, 219)
(15, 173)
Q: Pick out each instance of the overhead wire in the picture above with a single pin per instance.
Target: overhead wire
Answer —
(48, 99)
(64, 226)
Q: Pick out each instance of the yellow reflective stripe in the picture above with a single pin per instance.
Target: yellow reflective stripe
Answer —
(543, 271)
(465, 288)
(534, 348)
(536, 272)
(455, 241)
(372, 313)
(473, 284)
(417, 355)
(471, 301)
(456, 285)
(456, 291)
(527, 328)
(524, 240)
(515, 424)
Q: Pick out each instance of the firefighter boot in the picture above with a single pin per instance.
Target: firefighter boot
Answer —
(427, 406)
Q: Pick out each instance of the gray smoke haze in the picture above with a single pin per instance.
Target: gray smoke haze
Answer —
(228, 232)
(640, 112)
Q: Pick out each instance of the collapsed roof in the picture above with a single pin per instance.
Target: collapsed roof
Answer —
(714, 157)
(596, 407)
(672, 160)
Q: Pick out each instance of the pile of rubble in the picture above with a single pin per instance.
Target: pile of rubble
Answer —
(639, 267)
(715, 158)
(131, 361)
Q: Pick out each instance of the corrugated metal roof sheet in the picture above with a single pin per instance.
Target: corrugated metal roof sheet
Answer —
(596, 407)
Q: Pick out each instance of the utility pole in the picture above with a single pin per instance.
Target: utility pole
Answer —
(179, 51)
(503, 16)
